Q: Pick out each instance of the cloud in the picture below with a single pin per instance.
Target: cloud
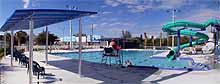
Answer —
(115, 23)
(112, 3)
(121, 24)
(143, 5)
(99, 14)
(93, 16)
(103, 24)
(128, 1)
(26, 3)
(113, 29)
(35, 3)
(139, 8)
(168, 4)
(106, 12)
(95, 25)
(104, 6)
(203, 15)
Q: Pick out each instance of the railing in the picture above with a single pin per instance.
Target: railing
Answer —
(57, 47)
(156, 47)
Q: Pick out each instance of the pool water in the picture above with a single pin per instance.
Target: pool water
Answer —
(138, 58)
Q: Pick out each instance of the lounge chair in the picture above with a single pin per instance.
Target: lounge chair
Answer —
(198, 50)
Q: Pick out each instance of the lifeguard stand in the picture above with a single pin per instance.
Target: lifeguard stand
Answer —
(109, 54)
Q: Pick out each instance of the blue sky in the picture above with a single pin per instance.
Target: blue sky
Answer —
(136, 16)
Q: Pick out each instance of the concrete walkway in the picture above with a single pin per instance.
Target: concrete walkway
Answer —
(54, 75)
(63, 70)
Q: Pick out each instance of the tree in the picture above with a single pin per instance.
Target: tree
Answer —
(21, 37)
(41, 38)
(1, 37)
(77, 35)
(126, 34)
(8, 39)
(145, 39)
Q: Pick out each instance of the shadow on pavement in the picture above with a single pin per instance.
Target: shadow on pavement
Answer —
(108, 74)
(168, 77)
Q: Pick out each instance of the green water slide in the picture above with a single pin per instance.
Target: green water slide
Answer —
(172, 27)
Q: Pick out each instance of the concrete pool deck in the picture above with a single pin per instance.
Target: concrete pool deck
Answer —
(61, 70)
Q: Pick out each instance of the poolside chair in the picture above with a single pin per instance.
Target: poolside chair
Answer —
(21, 58)
(16, 55)
(110, 53)
(198, 49)
(24, 61)
(8, 51)
(37, 69)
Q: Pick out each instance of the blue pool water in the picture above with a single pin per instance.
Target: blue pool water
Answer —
(138, 58)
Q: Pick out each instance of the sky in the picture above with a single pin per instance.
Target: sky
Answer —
(135, 16)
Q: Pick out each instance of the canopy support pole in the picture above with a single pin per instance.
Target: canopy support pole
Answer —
(216, 53)
(190, 39)
(46, 50)
(71, 27)
(80, 48)
(5, 42)
(31, 26)
(12, 47)
(178, 42)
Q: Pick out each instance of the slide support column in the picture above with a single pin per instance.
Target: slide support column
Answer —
(216, 54)
(178, 42)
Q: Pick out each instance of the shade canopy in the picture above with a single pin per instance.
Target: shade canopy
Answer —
(41, 17)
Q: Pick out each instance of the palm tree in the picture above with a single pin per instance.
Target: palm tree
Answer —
(21, 37)
(145, 39)
(8, 39)
(41, 38)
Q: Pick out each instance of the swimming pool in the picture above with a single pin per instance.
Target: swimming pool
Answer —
(137, 57)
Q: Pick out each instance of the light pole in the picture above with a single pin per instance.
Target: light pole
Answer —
(173, 11)
(63, 34)
(91, 37)
(161, 36)
(70, 25)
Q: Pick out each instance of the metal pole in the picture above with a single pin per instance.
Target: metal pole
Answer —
(178, 42)
(216, 44)
(168, 40)
(160, 39)
(190, 39)
(92, 34)
(5, 42)
(145, 40)
(80, 48)
(190, 42)
(70, 22)
(12, 47)
(46, 50)
(31, 26)
(153, 42)
(63, 34)
(122, 57)
(173, 18)
(71, 27)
